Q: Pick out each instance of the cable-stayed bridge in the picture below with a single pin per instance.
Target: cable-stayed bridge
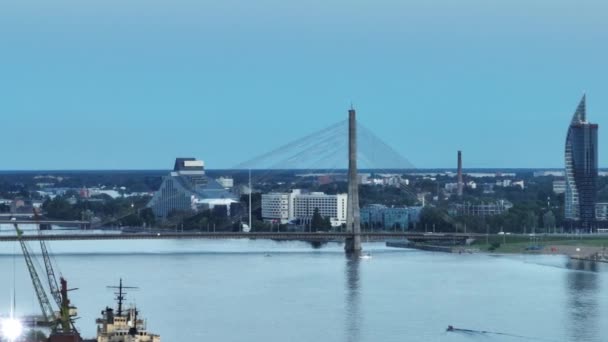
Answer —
(345, 145)
(327, 149)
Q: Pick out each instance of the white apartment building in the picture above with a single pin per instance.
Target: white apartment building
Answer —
(285, 207)
(332, 206)
(276, 207)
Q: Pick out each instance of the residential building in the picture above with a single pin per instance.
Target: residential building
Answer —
(297, 205)
(187, 188)
(332, 206)
(559, 186)
(481, 209)
(277, 207)
(581, 170)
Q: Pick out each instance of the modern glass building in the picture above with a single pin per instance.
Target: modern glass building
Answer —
(187, 188)
(581, 170)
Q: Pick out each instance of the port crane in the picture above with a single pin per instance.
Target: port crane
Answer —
(45, 305)
(62, 321)
(60, 294)
(50, 272)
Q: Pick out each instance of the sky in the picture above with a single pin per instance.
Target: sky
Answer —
(133, 84)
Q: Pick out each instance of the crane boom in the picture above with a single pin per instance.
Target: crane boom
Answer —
(50, 273)
(43, 300)
(48, 265)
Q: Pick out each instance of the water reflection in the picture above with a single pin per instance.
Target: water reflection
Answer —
(353, 314)
(582, 282)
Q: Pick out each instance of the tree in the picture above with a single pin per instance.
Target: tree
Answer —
(326, 224)
(530, 220)
(432, 216)
(317, 221)
(60, 208)
(220, 212)
(549, 221)
(148, 217)
(132, 220)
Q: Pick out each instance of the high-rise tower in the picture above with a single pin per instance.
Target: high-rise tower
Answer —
(581, 170)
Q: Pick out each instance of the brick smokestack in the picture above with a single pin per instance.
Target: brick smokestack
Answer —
(460, 182)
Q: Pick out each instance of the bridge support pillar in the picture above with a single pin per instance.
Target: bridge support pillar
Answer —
(352, 245)
(353, 225)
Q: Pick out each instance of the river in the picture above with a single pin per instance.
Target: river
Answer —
(240, 290)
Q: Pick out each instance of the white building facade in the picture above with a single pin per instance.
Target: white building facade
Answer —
(286, 207)
(275, 207)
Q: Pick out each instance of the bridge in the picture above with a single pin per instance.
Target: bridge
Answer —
(281, 236)
(55, 222)
(330, 145)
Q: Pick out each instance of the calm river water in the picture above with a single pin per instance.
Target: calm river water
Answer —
(275, 292)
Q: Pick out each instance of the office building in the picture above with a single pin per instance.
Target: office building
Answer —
(581, 170)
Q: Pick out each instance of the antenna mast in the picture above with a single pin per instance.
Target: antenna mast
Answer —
(120, 295)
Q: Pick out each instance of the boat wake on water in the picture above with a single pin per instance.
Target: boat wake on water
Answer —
(483, 332)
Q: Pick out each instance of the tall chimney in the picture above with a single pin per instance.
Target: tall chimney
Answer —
(460, 183)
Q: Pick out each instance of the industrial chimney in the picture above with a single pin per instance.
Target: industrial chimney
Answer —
(460, 183)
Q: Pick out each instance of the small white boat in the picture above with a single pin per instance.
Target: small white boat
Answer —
(366, 256)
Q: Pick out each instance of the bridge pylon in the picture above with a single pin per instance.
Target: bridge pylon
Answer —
(353, 224)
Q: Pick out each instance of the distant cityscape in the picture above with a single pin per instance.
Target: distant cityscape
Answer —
(574, 198)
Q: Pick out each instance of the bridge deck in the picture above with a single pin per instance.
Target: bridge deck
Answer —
(329, 236)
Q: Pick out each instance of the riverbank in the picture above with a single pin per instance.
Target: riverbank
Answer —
(565, 245)
(582, 247)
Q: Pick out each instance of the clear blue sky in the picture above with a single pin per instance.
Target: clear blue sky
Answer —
(118, 84)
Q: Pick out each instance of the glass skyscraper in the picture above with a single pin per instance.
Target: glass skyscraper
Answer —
(581, 170)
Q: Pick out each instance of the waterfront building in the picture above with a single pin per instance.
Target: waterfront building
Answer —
(277, 207)
(378, 216)
(332, 206)
(481, 209)
(297, 205)
(187, 188)
(581, 171)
